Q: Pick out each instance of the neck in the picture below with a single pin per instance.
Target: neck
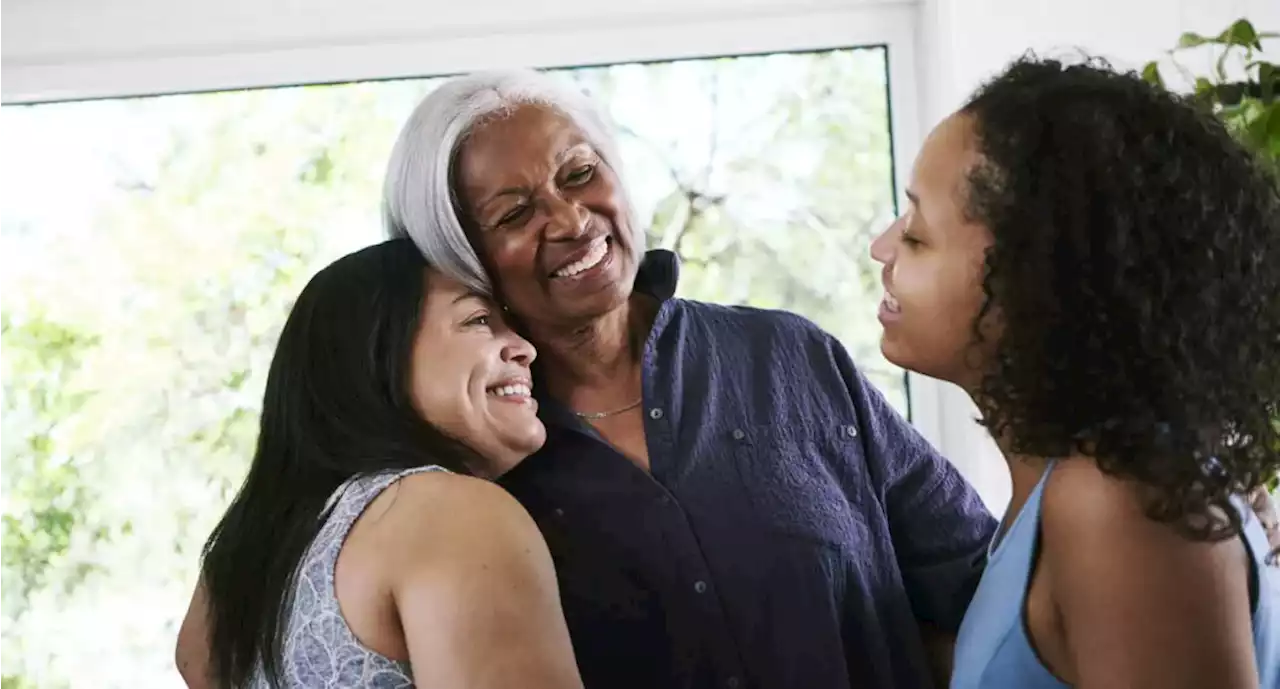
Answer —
(1025, 471)
(596, 367)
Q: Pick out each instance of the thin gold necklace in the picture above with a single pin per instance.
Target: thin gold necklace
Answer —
(594, 416)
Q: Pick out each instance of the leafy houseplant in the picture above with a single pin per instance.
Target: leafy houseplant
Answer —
(1241, 88)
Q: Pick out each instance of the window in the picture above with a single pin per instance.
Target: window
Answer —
(153, 247)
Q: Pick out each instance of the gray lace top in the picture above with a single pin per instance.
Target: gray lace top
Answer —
(320, 651)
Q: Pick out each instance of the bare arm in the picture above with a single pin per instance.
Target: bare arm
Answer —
(475, 589)
(192, 654)
(1141, 605)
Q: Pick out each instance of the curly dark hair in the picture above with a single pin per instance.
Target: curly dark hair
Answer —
(1136, 269)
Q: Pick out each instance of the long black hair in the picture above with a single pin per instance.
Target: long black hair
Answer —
(337, 405)
(1136, 264)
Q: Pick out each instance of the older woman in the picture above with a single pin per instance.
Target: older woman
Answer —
(728, 501)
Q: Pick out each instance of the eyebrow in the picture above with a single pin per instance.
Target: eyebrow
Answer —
(582, 147)
(560, 159)
(469, 294)
(509, 191)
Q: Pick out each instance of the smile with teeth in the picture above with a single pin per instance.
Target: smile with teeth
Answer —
(891, 304)
(595, 253)
(514, 391)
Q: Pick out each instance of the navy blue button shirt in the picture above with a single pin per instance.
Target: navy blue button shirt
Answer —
(793, 529)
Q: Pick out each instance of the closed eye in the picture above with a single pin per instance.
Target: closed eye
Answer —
(513, 215)
(580, 175)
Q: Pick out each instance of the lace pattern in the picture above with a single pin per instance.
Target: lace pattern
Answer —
(320, 651)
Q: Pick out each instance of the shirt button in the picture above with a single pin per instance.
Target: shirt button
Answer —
(738, 434)
(665, 499)
(733, 683)
(559, 512)
(655, 413)
(700, 586)
(851, 431)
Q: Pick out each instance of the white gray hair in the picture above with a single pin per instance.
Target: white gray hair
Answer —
(419, 197)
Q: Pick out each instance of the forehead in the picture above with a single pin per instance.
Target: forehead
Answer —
(945, 159)
(444, 294)
(531, 138)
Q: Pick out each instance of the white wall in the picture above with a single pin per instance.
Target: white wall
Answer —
(939, 51)
(977, 37)
(54, 49)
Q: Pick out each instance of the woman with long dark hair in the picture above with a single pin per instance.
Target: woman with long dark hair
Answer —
(1097, 262)
(365, 548)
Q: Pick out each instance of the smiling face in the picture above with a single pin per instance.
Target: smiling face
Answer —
(548, 216)
(471, 376)
(933, 265)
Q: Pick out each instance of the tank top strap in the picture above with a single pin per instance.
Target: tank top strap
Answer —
(351, 498)
(1023, 532)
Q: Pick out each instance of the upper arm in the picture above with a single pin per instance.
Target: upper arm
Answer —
(192, 652)
(940, 527)
(1140, 604)
(475, 589)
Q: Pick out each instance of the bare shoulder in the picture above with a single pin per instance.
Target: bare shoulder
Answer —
(1089, 515)
(1081, 503)
(438, 515)
(1141, 604)
(473, 585)
(1080, 496)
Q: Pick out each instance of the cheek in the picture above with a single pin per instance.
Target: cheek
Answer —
(604, 197)
(511, 257)
(940, 300)
(441, 392)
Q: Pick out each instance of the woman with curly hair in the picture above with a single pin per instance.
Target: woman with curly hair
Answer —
(1097, 263)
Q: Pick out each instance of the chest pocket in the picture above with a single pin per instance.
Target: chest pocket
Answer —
(797, 479)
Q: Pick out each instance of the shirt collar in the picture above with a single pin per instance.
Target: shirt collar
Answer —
(659, 274)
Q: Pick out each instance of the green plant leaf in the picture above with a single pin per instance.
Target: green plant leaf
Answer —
(1241, 33)
(1191, 39)
(1256, 126)
(1268, 79)
(1151, 74)
(1273, 131)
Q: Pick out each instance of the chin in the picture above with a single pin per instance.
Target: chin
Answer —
(597, 305)
(893, 354)
(527, 440)
(508, 447)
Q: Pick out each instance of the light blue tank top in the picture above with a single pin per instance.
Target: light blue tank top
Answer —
(993, 651)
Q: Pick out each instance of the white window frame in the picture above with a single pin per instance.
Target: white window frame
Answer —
(942, 413)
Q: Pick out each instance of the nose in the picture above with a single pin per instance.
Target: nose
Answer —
(517, 350)
(566, 218)
(882, 247)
